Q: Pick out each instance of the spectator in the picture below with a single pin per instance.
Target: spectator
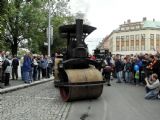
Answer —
(107, 69)
(138, 63)
(49, 67)
(153, 65)
(31, 70)
(44, 64)
(1, 61)
(21, 63)
(15, 64)
(27, 62)
(6, 69)
(128, 70)
(152, 87)
(39, 66)
(118, 69)
(35, 66)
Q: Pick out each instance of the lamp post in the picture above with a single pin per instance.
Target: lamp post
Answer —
(49, 29)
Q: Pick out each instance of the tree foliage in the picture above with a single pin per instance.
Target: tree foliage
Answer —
(3, 11)
(24, 23)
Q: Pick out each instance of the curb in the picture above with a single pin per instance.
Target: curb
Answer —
(17, 87)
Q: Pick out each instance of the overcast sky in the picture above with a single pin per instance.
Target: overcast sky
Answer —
(107, 15)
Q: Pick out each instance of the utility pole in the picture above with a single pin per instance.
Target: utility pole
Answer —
(49, 30)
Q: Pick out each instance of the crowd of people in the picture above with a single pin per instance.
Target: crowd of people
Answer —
(33, 67)
(135, 69)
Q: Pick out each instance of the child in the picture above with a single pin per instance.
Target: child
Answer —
(136, 77)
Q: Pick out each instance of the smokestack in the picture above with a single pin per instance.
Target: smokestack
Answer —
(79, 30)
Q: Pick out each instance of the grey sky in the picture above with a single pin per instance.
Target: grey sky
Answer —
(107, 15)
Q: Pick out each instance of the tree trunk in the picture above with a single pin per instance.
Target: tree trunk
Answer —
(14, 47)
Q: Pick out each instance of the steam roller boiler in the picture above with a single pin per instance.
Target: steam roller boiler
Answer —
(77, 76)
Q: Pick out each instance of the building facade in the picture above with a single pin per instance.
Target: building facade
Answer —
(134, 38)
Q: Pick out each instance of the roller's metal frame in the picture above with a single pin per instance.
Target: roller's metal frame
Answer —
(83, 84)
(77, 57)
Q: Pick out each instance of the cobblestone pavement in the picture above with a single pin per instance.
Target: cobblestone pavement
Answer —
(40, 102)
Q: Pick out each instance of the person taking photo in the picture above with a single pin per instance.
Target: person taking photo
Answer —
(152, 87)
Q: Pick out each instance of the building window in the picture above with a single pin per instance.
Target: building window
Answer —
(137, 42)
(111, 45)
(131, 37)
(143, 36)
(137, 37)
(127, 28)
(122, 43)
(132, 27)
(157, 41)
(127, 45)
(127, 37)
(137, 45)
(151, 41)
(132, 45)
(127, 42)
(142, 44)
(142, 41)
(137, 27)
(132, 42)
(152, 36)
(122, 28)
(117, 43)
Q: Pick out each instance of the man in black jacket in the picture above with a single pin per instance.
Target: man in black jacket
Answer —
(119, 66)
(15, 64)
(6, 69)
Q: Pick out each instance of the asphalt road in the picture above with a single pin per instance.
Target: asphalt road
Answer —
(88, 110)
(119, 102)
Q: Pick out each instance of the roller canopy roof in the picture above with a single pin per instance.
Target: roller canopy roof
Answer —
(66, 30)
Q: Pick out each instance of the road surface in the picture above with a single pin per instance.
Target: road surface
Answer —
(119, 102)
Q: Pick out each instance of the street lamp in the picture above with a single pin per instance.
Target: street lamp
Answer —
(49, 29)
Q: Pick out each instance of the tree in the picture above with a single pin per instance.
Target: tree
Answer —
(26, 22)
(60, 15)
(23, 23)
(3, 11)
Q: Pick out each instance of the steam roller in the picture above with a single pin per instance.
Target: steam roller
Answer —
(77, 76)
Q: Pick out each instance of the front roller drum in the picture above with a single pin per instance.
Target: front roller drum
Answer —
(83, 91)
(80, 92)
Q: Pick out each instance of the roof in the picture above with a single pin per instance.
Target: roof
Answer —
(72, 29)
(151, 24)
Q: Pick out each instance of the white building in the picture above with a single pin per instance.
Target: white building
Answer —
(134, 38)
